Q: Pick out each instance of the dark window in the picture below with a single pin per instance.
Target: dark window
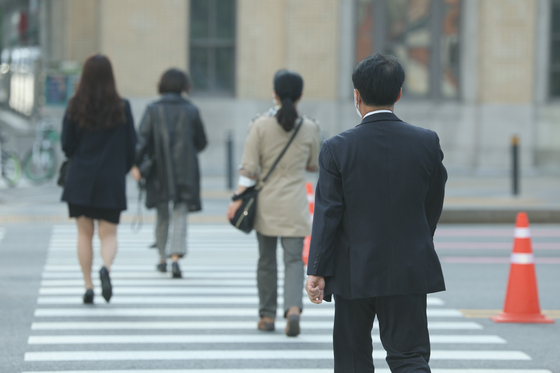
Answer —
(422, 34)
(555, 50)
(212, 45)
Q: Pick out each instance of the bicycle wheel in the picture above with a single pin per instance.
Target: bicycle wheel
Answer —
(41, 167)
(11, 169)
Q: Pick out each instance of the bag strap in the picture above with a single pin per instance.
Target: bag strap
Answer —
(283, 151)
(163, 118)
(137, 219)
(171, 188)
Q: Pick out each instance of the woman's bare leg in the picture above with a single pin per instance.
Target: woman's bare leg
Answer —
(108, 237)
(85, 248)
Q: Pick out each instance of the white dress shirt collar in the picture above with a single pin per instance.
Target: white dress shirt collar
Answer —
(376, 112)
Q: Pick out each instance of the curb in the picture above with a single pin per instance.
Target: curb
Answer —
(125, 219)
(448, 216)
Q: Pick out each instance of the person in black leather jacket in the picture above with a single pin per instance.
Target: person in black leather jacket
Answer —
(171, 134)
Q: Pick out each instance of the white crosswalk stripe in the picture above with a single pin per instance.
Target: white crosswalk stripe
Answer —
(148, 268)
(179, 299)
(207, 318)
(181, 312)
(237, 338)
(250, 355)
(292, 371)
(218, 325)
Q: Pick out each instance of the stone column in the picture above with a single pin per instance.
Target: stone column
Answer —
(506, 81)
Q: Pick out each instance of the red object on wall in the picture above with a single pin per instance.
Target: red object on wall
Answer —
(23, 25)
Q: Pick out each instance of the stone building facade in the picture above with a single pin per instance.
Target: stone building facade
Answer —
(478, 72)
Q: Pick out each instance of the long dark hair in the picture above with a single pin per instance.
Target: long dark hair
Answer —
(288, 86)
(96, 103)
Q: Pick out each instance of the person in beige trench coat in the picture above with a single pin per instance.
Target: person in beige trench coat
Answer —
(282, 208)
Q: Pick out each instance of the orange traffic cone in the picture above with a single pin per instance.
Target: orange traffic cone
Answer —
(522, 297)
(311, 201)
(305, 254)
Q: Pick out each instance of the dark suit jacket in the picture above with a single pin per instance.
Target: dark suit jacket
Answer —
(100, 161)
(378, 200)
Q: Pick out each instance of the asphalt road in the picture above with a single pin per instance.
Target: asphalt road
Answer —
(208, 319)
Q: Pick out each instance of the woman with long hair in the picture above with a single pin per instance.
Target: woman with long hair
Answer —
(282, 208)
(171, 135)
(99, 138)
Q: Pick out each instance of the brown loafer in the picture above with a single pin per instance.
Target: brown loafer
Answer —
(266, 324)
(292, 325)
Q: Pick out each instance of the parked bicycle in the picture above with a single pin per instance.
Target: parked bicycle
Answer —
(39, 164)
(10, 164)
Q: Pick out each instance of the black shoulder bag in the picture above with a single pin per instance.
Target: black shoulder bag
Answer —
(244, 218)
(63, 172)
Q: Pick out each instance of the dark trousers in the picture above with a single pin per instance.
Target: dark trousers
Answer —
(403, 328)
(267, 274)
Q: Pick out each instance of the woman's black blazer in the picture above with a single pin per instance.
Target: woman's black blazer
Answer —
(100, 161)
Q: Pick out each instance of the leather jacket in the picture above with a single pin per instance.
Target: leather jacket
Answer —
(171, 134)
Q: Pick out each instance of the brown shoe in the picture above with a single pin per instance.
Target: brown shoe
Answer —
(266, 324)
(292, 322)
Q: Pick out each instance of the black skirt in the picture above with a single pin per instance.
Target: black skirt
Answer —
(110, 215)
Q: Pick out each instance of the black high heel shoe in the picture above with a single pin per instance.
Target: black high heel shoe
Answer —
(88, 296)
(106, 287)
(175, 270)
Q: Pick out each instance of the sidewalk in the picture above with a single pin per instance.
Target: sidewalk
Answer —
(483, 199)
(469, 199)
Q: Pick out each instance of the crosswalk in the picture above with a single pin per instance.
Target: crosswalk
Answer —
(206, 322)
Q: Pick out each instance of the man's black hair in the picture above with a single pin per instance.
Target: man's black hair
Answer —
(379, 79)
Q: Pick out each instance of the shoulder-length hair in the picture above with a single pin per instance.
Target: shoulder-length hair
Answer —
(96, 103)
(174, 81)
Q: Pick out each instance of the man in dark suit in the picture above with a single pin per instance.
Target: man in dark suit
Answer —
(378, 200)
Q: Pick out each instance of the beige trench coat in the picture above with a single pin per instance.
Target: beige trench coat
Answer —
(282, 207)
